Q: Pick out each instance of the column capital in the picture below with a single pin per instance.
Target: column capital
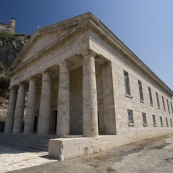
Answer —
(46, 72)
(89, 53)
(22, 84)
(15, 87)
(32, 79)
(65, 63)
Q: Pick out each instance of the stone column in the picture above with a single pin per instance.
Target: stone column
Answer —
(44, 111)
(30, 109)
(90, 117)
(19, 112)
(63, 118)
(11, 110)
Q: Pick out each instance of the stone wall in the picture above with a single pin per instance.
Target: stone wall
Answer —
(74, 147)
(133, 103)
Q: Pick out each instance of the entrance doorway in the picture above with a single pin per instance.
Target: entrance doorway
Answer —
(35, 124)
(98, 114)
(100, 121)
(54, 121)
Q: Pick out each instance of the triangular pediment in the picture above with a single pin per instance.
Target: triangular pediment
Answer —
(44, 37)
(41, 42)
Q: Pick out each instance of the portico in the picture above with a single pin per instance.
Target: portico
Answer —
(59, 83)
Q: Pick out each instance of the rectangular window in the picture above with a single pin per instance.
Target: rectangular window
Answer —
(171, 122)
(166, 121)
(161, 121)
(126, 82)
(140, 90)
(154, 120)
(130, 117)
(144, 119)
(163, 103)
(171, 107)
(158, 103)
(168, 106)
(150, 95)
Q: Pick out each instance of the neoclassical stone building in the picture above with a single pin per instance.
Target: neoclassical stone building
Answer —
(82, 80)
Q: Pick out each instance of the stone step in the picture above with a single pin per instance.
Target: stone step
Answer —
(27, 141)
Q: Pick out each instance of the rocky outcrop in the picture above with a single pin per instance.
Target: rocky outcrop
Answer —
(6, 29)
(10, 46)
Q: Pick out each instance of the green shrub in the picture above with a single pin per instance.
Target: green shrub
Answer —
(4, 82)
(5, 36)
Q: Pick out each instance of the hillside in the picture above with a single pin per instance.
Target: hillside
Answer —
(10, 46)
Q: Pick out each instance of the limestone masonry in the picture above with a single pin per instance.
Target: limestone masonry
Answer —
(82, 80)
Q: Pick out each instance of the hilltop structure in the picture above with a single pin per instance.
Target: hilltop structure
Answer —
(82, 80)
(10, 42)
(8, 28)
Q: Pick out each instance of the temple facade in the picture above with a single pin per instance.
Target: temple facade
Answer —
(80, 79)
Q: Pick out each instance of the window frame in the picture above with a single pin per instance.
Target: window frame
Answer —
(172, 107)
(168, 105)
(171, 122)
(163, 103)
(161, 121)
(144, 117)
(166, 122)
(158, 102)
(150, 96)
(140, 91)
(130, 117)
(127, 83)
(154, 120)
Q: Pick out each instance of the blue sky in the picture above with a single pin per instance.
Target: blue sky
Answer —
(145, 26)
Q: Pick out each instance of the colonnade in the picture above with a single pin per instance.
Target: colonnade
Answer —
(15, 113)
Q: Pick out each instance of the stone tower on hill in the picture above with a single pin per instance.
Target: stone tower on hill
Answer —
(10, 28)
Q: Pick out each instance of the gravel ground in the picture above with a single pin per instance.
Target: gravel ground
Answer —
(148, 156)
